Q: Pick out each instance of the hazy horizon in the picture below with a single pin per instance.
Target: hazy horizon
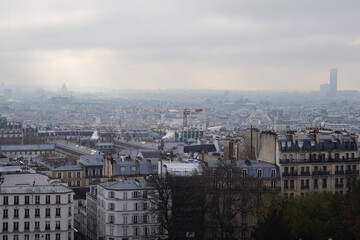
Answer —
(225, 45)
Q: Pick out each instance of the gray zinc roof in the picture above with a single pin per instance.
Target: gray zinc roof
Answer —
(129, 184)
(30, 147)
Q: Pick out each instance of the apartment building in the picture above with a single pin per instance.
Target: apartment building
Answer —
(27, 151)
(10, 131)
(317, 160)
(34, 208)
(123, 211)
(67, 172)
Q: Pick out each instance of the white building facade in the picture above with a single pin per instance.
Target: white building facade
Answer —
(33, 208)
(123, 211)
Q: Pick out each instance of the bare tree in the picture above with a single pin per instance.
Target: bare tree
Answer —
(178, 201)
(231, 198)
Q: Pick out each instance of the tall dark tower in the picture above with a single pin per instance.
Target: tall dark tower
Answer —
(333, 82)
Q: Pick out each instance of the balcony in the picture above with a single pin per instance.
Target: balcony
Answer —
(339, 185)
(352, 172)
(304, 187)
(341, 172)
(305, 173)
(320, 173)
(289, 174)
(310, 160)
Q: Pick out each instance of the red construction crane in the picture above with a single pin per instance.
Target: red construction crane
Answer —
(187, 111)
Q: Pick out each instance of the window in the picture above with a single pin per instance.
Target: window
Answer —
(69, 183)
(145, 194)
(37, 236)
(59, 174)
(47, 237)
(58, 214)
(122, 169)
(146, 231)
(58, 199)
(16, 226)
(47, 212)
(37, 199)
(135, 219)
(292, 184)
(27, 214)
(136, 206)
(125, 231)
(57, 236)
(69, 198)
(244, 172)
(78, 175)
(125, 206)
(78, 183)
(16, 200)
(259, 173)
(47, 225)
(26, 237)
(27, 199)
(5, 237)
(111, 206)
(136, 231)
(37, 212)
(111, 194)
(135, 194)
(5, 213)
(111, 219)
(125, 219)
(90, 172)
(133, 169)
(57, 225)
(6, 200)
(69, 174)
(145, 218)
(273, 173)
(5, 227)
(69, 211)
(324, 183)
(47, 199)
(16, 237)
(16, 213)
(125, 195)
(315, 183)
(145, 206)
(273, 184)
(27, 226)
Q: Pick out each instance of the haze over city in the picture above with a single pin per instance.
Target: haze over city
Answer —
(238, 45)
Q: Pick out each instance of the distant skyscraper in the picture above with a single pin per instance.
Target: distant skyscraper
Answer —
(333, 82)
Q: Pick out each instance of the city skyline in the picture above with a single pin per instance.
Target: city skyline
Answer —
(238, 45)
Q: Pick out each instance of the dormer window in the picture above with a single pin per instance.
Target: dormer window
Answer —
(259, 173)
(244, 172)
(273, 173)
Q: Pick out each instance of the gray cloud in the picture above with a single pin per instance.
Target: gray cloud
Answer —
(256, 44)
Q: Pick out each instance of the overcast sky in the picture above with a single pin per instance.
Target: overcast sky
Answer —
(150, 44)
